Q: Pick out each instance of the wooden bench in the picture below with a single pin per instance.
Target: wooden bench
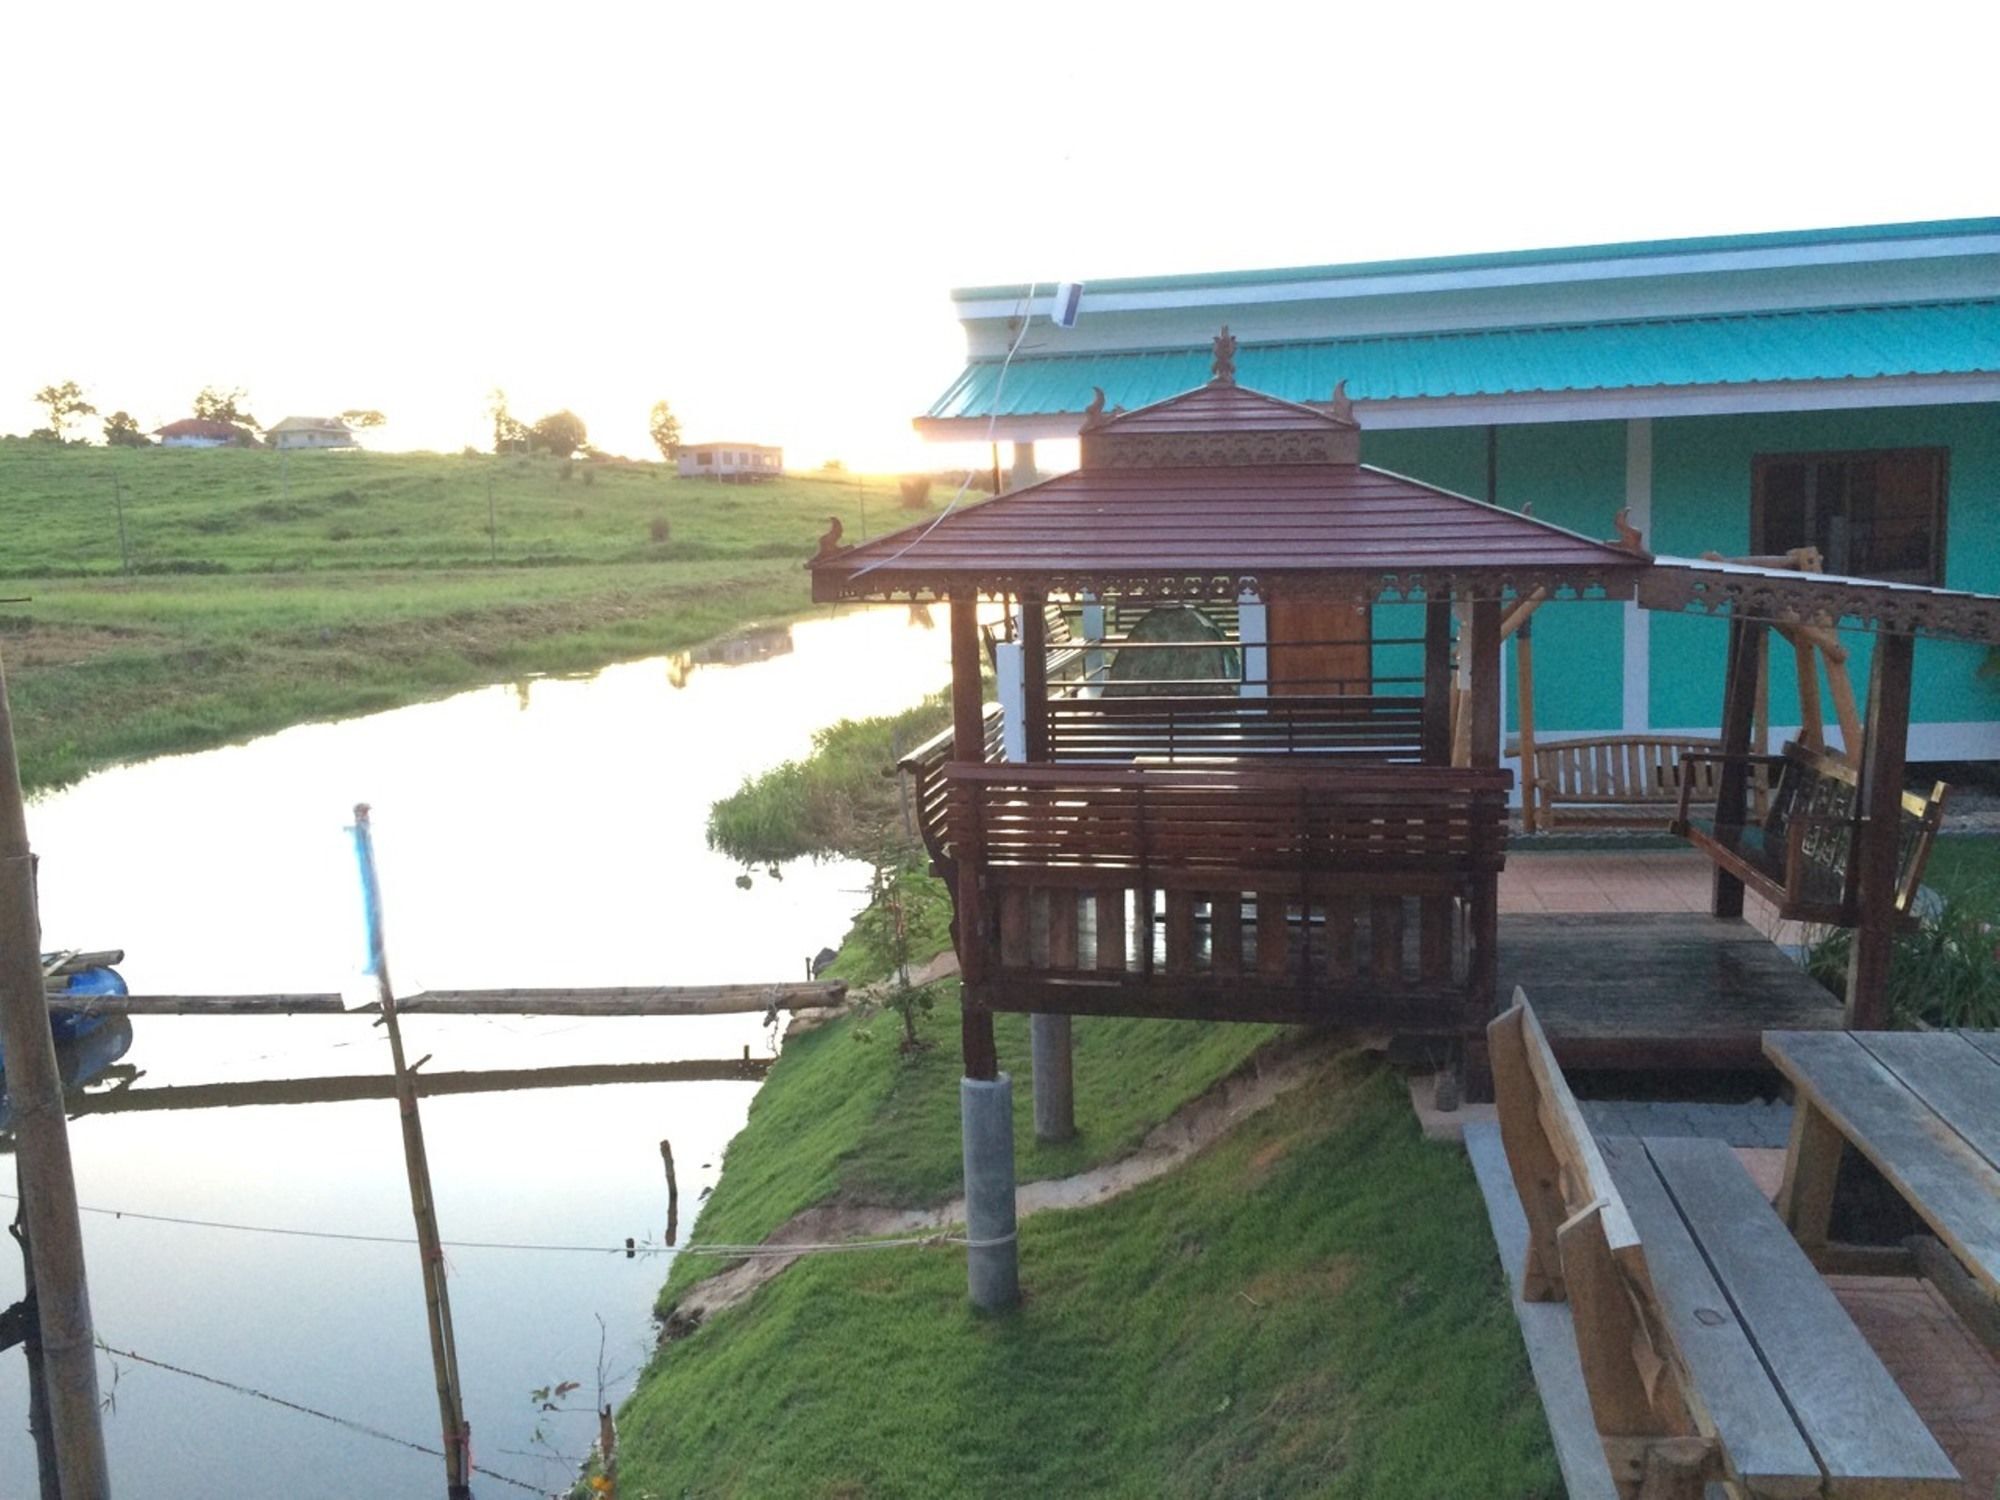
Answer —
(1611, 780)
(1798, 855)
(1066, 659)
(1710, 1347)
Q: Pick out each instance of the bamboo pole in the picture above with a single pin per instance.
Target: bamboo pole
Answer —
(437, 1300)
(48, 1482)
(41, 1137)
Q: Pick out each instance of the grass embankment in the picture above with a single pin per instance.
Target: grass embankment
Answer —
(841, 1118)
(255, 590)
(1312, 1307)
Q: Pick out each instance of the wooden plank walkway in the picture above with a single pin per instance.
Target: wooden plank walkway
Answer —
(1658, 990)
(648, 1000)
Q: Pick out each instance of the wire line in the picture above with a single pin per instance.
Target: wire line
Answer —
(325, 1416)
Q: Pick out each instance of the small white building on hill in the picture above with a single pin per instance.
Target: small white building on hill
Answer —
(311, 432)
(739, 463)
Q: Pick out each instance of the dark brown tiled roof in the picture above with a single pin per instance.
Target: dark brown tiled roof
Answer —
(1140, 527)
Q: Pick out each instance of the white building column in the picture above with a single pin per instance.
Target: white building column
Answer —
(1638, 714)
(1253, 631)
(1094, 662)
(1023, 473)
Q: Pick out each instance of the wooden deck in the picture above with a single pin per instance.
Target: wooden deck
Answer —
(1658, 990)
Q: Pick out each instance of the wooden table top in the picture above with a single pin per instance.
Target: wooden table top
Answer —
(1924, 1107)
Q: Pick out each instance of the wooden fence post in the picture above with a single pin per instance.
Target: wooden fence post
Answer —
(41, 1143)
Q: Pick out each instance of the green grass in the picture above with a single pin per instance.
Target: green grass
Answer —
(854, 1119)
(1964, 862)
(840, 799)
(266, 592)
(1311, 1307)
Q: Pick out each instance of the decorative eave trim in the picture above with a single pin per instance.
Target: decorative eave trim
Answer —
(1193, 585)
(1682, 587)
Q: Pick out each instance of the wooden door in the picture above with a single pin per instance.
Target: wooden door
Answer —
(1320, 646)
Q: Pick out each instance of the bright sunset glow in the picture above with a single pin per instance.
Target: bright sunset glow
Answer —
(757, 212)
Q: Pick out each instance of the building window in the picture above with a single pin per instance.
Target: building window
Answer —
(705, 458)
(1871, 515)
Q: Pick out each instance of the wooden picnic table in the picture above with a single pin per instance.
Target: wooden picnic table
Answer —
(1923, 1106)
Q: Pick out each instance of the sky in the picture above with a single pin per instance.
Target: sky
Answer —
(757, 212)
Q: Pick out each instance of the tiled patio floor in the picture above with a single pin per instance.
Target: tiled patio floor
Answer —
(1644, 880)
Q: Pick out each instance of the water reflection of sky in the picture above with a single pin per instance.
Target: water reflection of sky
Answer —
(549, 841)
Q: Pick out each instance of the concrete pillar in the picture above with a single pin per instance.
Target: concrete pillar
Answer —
(1010, 677)
(1023, 473)
(1094, 662)
(992, 1255)
(1252, 632)
(1055, 1083)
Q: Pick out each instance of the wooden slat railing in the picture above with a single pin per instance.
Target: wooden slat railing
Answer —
(1345, 894)
(1169, 728)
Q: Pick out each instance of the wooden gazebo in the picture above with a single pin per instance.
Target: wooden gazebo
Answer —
(1291, 854)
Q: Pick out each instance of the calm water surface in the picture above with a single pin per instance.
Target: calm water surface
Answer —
(550, 833)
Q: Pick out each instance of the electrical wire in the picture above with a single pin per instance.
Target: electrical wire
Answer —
(633, 1250)
(992, 426)
(325, 1416)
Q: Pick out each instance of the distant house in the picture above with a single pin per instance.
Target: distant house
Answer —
(739, 463)
(311, 432)
(204, 432)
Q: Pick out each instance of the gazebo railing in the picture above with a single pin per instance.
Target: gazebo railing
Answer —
(1356, 895)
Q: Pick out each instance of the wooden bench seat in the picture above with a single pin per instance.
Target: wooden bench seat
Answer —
(1710, 1347)
(1799, 856)
(1629, 781)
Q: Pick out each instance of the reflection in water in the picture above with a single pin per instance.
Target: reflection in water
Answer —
(563, 845)
(759, 643)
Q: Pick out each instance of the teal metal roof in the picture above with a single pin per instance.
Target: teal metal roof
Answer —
(1714, 244)
(1817, 344)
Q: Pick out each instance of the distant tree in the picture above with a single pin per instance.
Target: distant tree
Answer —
(65, 403)
(121, 431)
(362, 416)
(560, 433)
(217, 405)
(509, 434)
(666, 430)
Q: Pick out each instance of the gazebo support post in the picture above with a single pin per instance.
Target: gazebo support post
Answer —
(1885, 746)
(1482, 710)
(1437, 682)
(1048, 1036)
(985, 1094)
(1739, 711)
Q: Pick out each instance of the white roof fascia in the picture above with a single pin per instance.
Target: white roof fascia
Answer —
(1426, 283)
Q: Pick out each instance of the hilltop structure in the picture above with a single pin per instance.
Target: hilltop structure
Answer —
(312, 432)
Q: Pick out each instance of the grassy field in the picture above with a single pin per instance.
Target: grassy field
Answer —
(1311, 1307)
(255, 590)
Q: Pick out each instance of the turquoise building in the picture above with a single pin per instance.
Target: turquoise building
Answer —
(1742, 395)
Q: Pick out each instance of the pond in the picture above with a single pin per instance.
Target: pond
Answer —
(543, 834)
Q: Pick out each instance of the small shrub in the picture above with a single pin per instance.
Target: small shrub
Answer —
(660, 530)
(1945, 972)
(589, 476)
(916, 490)
(340, 533)
(563, 468)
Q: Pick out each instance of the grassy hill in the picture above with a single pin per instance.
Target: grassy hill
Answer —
(252, 590)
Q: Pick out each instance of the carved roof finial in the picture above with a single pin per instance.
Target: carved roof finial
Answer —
(829, 543)
(1224, 368)
(1343, 409)
(1629, 536)
(1094, 413)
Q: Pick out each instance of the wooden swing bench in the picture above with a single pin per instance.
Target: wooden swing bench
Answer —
(1624, 781)
(1710, 1348)
(1799, 856)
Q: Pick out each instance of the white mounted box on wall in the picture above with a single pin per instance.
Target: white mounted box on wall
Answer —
(1069, 296)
